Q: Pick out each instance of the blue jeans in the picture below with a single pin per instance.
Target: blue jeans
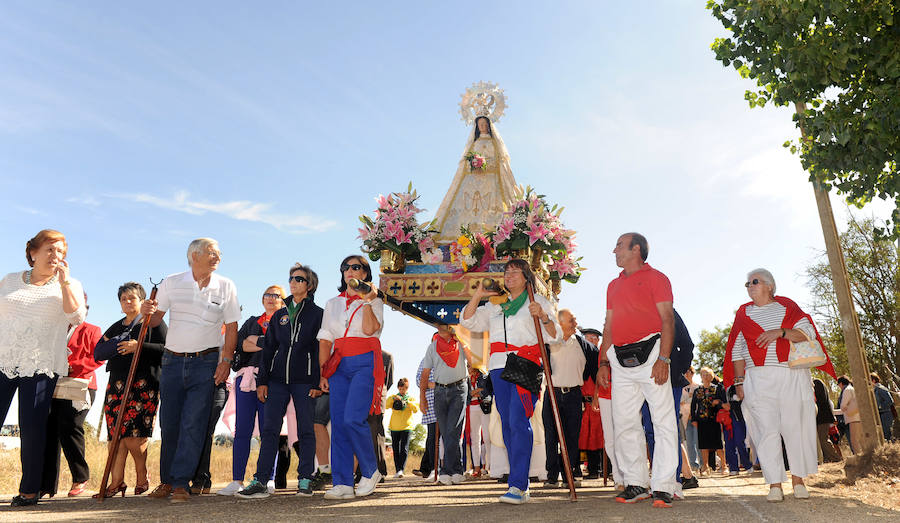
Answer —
(35, 398)
(735, 448)
(887, 422)
(517, 434)
(449, 407)
(248, 409)
(185, 393)
(352, 387)
(692, 444)
(280, 394)
(648, 427)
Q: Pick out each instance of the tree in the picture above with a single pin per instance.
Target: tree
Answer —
(842, 58)
(417, 438)
(711, 348)
(874, 267)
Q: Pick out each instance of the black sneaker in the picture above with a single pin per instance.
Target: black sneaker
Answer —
(303, 487)
(592, 475)
(503, 479)
(662, 499)
(633, 494)
(319, 480)
(255, 490)
(689, 483)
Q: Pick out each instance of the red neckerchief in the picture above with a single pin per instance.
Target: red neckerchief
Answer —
(447, 350)
(350, 299)
(263, 321)
(751, 330)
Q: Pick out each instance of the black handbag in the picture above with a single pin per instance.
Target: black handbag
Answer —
(636, 354)
(521, 371)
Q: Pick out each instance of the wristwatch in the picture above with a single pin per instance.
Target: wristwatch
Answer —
(667, 361)
(227, 360)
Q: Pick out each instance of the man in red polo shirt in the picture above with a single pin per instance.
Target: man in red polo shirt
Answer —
(640, 327)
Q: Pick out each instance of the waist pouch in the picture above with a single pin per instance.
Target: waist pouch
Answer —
(636, 354)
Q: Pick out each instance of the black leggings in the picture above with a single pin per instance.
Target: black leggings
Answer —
(400, 444)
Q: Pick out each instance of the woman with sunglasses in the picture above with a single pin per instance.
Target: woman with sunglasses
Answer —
(354, 375)
(288, 370)
(777, 400)
(511, 327)
(247, 407)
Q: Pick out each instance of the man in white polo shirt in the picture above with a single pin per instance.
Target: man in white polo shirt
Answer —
(197, 357)
(572, 361)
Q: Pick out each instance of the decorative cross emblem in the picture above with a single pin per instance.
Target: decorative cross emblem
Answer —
(432, 287)
(414, 287)
(396, 288)
(456, 313)
(442, 313)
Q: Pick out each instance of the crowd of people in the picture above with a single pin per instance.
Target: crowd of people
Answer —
(625, 396)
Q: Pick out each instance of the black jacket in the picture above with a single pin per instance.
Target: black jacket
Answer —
(682, 354)
(292, 361)
(251, 327)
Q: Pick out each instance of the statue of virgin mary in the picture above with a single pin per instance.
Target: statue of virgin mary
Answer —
(483, 187)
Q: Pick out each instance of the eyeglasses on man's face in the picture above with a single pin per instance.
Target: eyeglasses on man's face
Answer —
(754, 281)
(298, 279)
(355, 266)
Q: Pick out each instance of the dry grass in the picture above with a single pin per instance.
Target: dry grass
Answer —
(873, 480)
(96, 453)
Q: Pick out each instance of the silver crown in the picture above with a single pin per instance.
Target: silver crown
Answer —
(482, 99)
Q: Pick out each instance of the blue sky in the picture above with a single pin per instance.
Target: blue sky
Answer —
(136, 128)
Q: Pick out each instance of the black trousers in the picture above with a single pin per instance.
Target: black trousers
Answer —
(65, 431)
(202, 477)
(35, 396)
(400, 445)
(376, 426)
(570, 415)
(427, 464)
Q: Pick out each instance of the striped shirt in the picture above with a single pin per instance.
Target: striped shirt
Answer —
(769, 317)
(430, 416)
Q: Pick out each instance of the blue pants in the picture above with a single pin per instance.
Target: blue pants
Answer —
(517, 435)
(735, 448)
(280, 394)
(185, 393)
(352, 387)
(449, 407)
(648, 427)
(248, 409)
(692, 443)
(35, 397)
(887, 421)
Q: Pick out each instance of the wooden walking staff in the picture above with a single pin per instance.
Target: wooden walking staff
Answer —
(556, 419)
(120, 417)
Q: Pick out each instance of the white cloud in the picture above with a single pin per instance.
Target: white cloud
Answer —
(87, 201)
(238, 210)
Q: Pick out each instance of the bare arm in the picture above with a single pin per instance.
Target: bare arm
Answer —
(423, 386)
(602, 361)
(660, 371)
(370, 323)
(227, 353)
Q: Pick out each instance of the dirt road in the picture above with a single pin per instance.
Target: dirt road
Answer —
(719, 499)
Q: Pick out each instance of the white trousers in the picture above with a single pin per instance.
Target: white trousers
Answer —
(630, 387)
(609, 438)
(780, 404)
(475, 422)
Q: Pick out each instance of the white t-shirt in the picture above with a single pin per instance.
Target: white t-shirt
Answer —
(196, 315)
(33, 327)
(337, 315)
(519, 327)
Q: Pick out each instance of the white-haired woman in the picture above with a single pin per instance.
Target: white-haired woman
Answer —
(777, 399)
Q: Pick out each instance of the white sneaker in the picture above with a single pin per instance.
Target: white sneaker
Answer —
(270, 486)
(231, 489)
(733, 473)
(399, 474)
(800, 492)
(366, 486)
(445, 479)
(457, 479)
(775, 495)
(340, 492)
(515, 496)
(679, 493)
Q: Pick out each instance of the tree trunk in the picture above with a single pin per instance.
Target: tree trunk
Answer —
(872, 436)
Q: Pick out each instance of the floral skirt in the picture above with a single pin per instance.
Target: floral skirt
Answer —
(140, 411)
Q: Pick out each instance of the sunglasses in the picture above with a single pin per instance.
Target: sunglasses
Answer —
(354, 266)
(298, 279)
(271, 295)
(754, 281)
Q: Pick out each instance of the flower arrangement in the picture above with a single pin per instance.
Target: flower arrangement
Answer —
(476, 161)
(395, 228)
(532, 223)
(471, 252)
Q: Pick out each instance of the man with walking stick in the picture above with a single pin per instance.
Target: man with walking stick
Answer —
(197, 357)
(513, 337)
(637, 342)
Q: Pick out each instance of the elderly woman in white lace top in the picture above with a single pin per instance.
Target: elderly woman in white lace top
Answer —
(36, 308)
